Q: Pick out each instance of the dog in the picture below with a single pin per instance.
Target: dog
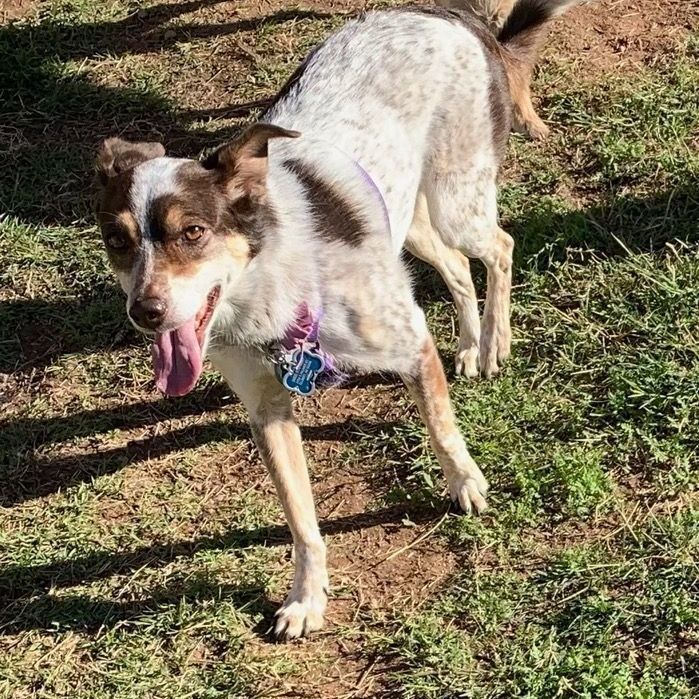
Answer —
(279, 255)
(523, 51)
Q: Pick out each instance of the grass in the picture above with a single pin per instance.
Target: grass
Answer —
(142, 549)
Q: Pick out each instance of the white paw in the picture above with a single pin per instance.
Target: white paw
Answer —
(467, 362)
(298, 617)
(504, 344)
(488, 358)
(468, 489)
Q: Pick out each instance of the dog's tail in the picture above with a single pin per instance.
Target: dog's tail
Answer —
(525, 27)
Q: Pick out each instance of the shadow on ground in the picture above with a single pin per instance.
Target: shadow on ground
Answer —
(53, 122)
(26, 476)
(36, 332)
(28, 599)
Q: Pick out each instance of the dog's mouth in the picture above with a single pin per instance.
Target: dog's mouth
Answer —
(177, 354)
(203, 317)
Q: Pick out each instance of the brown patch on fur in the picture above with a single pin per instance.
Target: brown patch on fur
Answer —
(169, 216)
(126, 221)
(241, 216)
(253, 220)
(431, 392)
(336, 220)
(115, 218)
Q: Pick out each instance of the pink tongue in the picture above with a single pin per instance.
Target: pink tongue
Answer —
(177, 360)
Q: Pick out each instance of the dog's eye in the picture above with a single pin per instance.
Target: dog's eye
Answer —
(116, 241)
(193, 233)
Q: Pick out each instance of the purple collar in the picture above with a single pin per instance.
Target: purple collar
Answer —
(301, 364)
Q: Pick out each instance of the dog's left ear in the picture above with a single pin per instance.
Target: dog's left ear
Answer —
(243, 162)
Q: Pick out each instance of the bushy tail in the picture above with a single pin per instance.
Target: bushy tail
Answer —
(525, 27)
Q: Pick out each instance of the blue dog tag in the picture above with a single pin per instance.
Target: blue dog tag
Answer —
(299, 371)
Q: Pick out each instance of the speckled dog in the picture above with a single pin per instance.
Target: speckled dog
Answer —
(279, 255)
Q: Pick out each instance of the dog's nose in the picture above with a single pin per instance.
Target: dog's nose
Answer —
(149, 312)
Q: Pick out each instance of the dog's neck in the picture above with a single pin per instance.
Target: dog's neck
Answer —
(261, 304)
(291, 267)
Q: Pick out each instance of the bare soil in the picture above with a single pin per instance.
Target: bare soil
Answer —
(620, 35)
(15, 9)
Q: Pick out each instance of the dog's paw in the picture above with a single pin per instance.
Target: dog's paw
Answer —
(536, 129)
(504, 344)
(298, 617)
(466, 362)
(468, 489)
(488, 357)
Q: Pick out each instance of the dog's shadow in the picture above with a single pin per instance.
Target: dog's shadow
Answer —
(32, 597)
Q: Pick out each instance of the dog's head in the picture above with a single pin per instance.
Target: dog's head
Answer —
(178, 234)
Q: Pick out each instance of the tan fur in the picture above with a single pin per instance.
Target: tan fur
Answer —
(429, 389)
(239, 249)
(519, 75)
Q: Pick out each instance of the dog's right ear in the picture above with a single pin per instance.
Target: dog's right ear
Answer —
(116, 156)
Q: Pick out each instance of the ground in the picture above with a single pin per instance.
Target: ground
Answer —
(143, 551)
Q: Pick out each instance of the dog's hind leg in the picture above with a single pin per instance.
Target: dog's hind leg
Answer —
(279, 442)
(428, 386)
(462, 210)
(424, 242)
(526, 120)
(496, 335)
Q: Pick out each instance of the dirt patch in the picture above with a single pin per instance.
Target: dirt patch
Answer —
(15, 9)
(622, 36)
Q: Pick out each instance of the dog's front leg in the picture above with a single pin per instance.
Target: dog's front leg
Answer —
(428, 386)
(279, 441)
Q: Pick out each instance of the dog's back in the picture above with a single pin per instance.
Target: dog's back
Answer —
(404, 92)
